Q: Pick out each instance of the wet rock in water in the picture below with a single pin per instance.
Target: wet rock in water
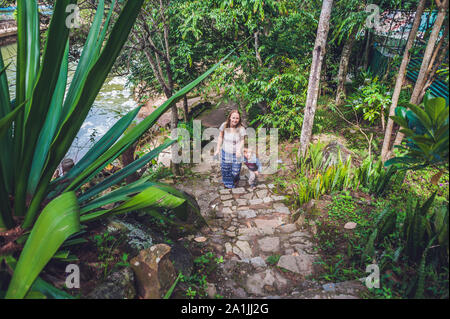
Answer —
(182, 259)
(154, 271)
(118, 285)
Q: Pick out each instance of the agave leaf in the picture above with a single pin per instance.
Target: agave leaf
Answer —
(92, 85)
(152, 197)
(100, 147)
(88, 58)
(50, 126)
(117, 195)
(58, 220)
(6, 121)
(40, 285)
(125, 172)
(46, 81)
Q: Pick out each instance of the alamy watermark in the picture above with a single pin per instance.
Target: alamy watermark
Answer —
(73, 20)
(373, 20)
(73, 277)
(373, 280)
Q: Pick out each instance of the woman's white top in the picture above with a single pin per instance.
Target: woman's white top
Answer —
(231, 138)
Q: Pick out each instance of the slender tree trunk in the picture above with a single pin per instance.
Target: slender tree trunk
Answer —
(314, 76)
(436, 61)
(343, 66)
(366, 51)
(185, 108)
(420, 83)
(258, 56)
(400, 78)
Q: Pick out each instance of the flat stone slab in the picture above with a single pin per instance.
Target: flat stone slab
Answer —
(257, 283)
(227, 210)
(224, 191)
(226, 197)
(256, 201)
(262, 193)
(242, 249)
(299, 234)
(246, 213)
(302, 264)
(279, 198)
(247, 196)
(267, 200)
(281, 208)
(258, 262)
(269, 244)
(249, 231)
(288, 228)
(228, 203)
(260, 223)
(241, 202)
(239, 190)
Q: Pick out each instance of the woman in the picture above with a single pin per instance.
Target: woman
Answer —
(231, 137)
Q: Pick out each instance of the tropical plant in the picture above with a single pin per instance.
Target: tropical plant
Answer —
(317, 177)
(375, 177)
(427, 132)
(371, 100)
(38, 127)
(420, 236)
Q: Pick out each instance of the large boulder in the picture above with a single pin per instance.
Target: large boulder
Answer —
(154, 271)
(331, 154)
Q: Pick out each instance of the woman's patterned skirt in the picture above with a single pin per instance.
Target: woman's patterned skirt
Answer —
(231, 169)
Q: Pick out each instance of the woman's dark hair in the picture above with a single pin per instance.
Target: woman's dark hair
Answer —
(227, 123)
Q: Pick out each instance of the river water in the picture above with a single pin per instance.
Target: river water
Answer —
(113, 101)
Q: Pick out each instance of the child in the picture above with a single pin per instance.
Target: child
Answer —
(254, 166)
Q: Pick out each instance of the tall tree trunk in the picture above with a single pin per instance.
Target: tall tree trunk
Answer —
(401, 78)
(366, 51)
(343, 66)
(424, 68)
(185, 108)
(314, 76)
(436, 61)
(258, 56)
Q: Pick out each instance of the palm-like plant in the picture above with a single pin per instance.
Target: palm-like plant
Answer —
(427, 132)
(39, 126)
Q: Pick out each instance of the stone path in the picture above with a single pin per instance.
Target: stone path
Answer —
(249, 225)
